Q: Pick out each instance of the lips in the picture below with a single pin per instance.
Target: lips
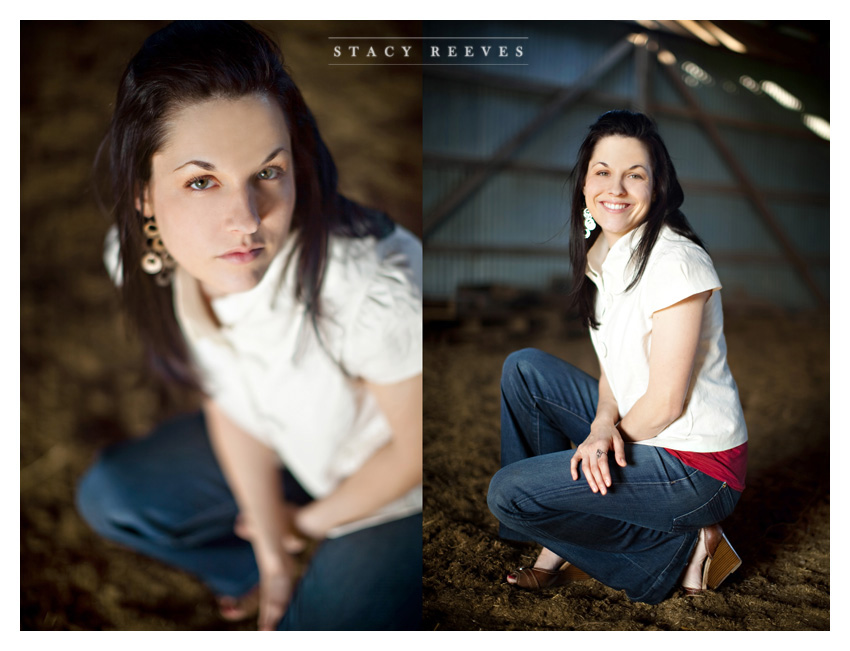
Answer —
(614, 206)
(242, 254)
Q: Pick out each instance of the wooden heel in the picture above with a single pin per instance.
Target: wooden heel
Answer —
(723, 562)
(572, 573)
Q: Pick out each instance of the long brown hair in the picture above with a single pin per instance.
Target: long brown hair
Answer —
(188, 62)
(668, 197)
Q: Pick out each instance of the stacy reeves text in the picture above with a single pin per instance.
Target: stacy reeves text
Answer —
(430, 52)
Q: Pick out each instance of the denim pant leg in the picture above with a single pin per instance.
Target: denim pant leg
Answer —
(640, 535)
(547, 405)
(370, 579)
(165, 496)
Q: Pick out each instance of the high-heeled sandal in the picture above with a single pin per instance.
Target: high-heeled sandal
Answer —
(720, 562)
(535, 578)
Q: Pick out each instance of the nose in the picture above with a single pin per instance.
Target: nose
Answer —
(243, 215)
(617, 188)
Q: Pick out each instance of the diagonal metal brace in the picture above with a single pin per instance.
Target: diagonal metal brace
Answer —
(558, 104)
(748, 186)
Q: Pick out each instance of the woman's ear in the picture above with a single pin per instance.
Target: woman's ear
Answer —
(143, 201)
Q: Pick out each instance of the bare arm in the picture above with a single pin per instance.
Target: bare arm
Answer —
(390, 473)
(604, 436)
(675, 335)
(252, 470)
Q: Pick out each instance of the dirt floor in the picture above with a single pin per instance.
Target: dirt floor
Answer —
(780, 527)
(82, 386)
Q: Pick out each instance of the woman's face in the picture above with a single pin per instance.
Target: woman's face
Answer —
(618, 185)
(222, 190)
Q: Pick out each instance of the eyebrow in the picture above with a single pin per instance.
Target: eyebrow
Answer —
(210, 167)
(601, 162)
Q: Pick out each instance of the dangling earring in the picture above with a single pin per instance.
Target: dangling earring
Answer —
(156, 261)
(589, 222)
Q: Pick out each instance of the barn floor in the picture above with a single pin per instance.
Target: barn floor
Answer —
(81, 388)
(780, 527)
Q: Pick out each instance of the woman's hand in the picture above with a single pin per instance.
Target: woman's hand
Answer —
(308, 522)
(278, 570)
(298, 523)
(292, 540)
(277, 583)
(593, 453)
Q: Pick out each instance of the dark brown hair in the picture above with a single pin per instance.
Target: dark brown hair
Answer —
(188, 62)
(667, 198)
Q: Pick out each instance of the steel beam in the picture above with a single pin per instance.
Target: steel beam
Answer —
(554, 108)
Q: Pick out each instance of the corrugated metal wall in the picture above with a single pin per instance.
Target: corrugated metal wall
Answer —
(510, 230)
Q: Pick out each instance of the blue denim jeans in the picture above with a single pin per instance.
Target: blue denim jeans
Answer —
(639, 536)
(166, 497)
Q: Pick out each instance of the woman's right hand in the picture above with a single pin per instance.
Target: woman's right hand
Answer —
(593, 453)
(278, 569)
(277, 583)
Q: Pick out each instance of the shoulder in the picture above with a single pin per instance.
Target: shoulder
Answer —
(674, 250)
(677, 268)
(112, 255)
(374, 293)
(355, 264)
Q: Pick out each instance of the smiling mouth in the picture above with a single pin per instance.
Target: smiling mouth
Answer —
(615, 206)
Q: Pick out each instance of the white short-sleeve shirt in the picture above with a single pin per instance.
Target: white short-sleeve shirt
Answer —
(712, 419)
(268, 371)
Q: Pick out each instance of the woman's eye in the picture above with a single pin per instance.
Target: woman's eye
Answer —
(269, 173)
(200, 183)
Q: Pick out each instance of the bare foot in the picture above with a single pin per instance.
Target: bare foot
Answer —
(692, 578)
(237, 609)
(546, 560)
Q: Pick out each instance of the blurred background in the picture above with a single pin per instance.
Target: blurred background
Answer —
(82, 380)
(743, 108)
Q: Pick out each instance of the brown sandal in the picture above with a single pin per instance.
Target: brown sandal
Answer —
(535, 578)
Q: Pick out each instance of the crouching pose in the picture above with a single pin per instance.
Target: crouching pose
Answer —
(295, 313)
(660, 439)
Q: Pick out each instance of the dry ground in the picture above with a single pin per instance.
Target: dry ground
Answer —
(81, 380)
(81, 386)
(780, 527)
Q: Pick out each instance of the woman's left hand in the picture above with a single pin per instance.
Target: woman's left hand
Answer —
(593, 453)
(292, 540)
(307, 523)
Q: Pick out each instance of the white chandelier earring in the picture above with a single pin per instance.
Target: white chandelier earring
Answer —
(589, 222)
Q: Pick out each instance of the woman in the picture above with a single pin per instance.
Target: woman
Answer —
(665, 405)
(295, 313)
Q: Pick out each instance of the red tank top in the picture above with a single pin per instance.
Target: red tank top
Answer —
(729, 465)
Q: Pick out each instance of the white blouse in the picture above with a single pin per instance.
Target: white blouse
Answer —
(266, 369)
(713, 419)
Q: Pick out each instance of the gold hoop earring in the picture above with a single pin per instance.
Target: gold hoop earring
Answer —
(156, 260)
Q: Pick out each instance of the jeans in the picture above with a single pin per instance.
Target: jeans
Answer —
(166, 497)
(640, 535)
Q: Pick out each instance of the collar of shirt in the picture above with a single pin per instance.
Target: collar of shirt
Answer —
(609, 268)
(192, 313)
